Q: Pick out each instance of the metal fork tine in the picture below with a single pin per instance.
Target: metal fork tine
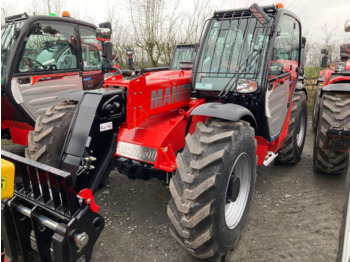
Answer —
(34, 181)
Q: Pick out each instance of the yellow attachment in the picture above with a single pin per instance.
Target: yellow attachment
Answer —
(7, 179)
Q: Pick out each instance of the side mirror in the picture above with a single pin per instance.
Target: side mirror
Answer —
(324, 51)
(259, 14)
(345, 52)
(106, 25)
(186, 65)
(130, 53)
(107, 55)
(3, 21)
(303, 41)
(103, 34)
(347, 26)
(324, 62)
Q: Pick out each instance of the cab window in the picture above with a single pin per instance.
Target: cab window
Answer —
(286, 47)
(91, 49)
(49, 47)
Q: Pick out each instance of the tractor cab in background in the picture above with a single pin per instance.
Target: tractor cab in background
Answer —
(41, 57)
(183, 57)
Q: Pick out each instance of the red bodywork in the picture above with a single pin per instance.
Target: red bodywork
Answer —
(328, 73)
(158, 106)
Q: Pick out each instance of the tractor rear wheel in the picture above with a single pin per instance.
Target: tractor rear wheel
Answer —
(45, 142)
(292, 148)
(212, 189)
(334, 112)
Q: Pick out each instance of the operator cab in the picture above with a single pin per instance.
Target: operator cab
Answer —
(251, 57)
(43, 56)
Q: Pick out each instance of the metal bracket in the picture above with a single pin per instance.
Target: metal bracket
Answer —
(86, 194)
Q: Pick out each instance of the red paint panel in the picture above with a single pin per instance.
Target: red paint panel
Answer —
(19, 135)
(340, 78)
(164, 132)
(153, 94)
(261, 150)
(19, 132)
(4, 124)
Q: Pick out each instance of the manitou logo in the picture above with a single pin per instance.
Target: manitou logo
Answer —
(171, 95)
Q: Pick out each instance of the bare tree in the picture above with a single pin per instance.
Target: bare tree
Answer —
(153, 24)
(46, 7)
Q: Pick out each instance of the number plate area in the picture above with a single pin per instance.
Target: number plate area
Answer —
(337, 140)
(137, 152)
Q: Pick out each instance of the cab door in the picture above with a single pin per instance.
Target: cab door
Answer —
(282, 74)
(91, 55)
(47, 66)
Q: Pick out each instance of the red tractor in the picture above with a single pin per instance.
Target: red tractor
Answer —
(41, 57)
(205, 129)
(331, 114)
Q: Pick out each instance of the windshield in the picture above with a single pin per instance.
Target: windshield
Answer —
(7, 40)
(182, 54)
(234, 48)
(49, 46)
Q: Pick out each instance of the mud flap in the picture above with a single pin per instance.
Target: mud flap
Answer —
(46, 220)
(337, 140)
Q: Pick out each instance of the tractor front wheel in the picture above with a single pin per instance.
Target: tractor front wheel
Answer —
(212, 189)
(45, 142)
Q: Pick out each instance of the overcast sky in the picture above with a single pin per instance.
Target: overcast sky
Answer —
(313, 13)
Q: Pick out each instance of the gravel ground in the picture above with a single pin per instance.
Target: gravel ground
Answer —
(295, 216)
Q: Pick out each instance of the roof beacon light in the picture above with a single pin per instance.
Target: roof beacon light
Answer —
(279, 6)
(53, 14)
(65, 14)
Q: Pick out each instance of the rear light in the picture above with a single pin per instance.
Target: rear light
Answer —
(246, 86)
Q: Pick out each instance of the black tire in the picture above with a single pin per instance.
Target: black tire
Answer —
(334, 112)
(45, 142)
(316, 108)
(292, 148)
(200, 188)
(344, 234)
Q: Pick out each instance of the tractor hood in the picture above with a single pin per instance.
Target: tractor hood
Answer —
(153, 93)
(158, 105)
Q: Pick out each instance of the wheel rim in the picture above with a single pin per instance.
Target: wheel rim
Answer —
(237, 191)
(301, 131)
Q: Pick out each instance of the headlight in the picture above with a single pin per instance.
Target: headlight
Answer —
(246, 86)
(340, 66)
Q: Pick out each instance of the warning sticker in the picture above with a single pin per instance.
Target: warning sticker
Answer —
(106, 126)
(3, 183)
